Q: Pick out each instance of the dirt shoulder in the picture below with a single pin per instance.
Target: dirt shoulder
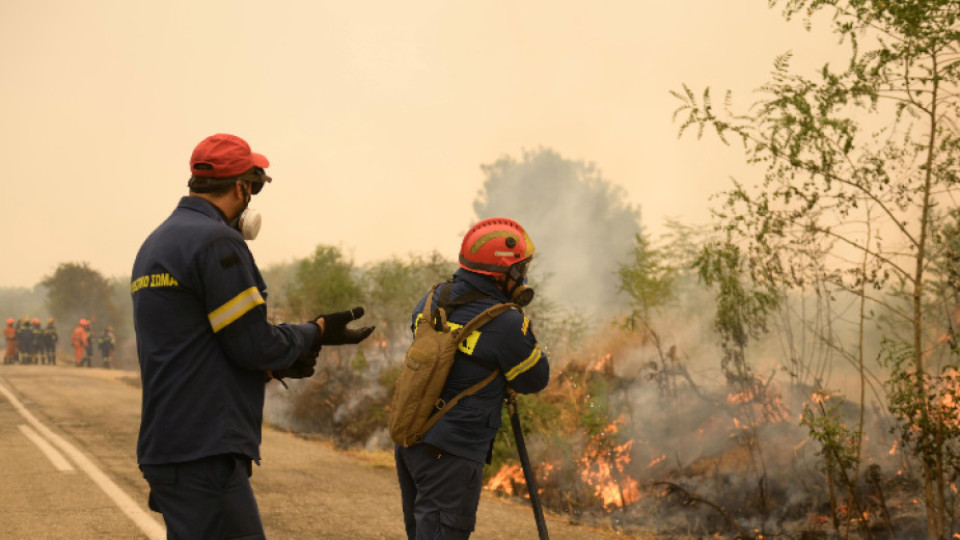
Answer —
(305, 488)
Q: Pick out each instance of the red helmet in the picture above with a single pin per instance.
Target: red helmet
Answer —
(35, 321)
(494, 245)
(84, 322)
(10, 321)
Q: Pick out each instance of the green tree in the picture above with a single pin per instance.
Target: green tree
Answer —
(19, 302)
(394, 286)
(76, 291)
(664, 295)
(323, 283)
(838, 444)
(743, 305)
(578, 221)
(855, 207)
(647, 281)
(650, 285)
(278, 277)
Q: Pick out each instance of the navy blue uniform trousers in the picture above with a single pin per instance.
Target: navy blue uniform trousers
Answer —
(440, 493)
(207, 498)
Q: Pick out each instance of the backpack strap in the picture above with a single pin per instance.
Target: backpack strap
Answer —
(428, 314)
(443, 407)
(483, 318)
(445, 305)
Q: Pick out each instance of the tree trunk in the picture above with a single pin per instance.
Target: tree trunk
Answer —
(935, 517)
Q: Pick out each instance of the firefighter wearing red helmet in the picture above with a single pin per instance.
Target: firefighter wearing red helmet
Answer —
(441, 477)
(10, 335)
(499, 247)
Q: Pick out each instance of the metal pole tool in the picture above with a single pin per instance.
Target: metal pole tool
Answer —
(525, 464)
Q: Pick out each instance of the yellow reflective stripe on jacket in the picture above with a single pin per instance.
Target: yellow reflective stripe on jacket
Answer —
(466, 345)
(525, 365)
(234, 308)
(470, 343)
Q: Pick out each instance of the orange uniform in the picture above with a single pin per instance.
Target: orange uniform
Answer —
(10, 334)
(79, 339)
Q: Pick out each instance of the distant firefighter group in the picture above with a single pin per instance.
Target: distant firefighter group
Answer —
(29, 343)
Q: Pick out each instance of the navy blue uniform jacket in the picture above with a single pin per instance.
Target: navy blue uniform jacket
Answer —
(203, 339)
(507, 342)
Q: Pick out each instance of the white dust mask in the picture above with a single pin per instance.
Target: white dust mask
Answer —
(249, 223)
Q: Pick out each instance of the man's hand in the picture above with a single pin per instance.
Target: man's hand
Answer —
(335, 331)
(301, 368)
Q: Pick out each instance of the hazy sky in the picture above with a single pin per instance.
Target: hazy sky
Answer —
(366, 110)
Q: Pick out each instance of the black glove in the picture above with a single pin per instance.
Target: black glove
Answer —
(335, 331)
(301, 368)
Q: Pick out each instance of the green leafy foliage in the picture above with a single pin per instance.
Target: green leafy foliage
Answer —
(76, 291)
(742, 308)
(860, 177)
(394, 286)
(19, 302)
(647, 281)
(931, 428)
(838, 444)
(325, 282)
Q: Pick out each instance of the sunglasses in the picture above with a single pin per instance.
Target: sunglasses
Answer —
(261, 180)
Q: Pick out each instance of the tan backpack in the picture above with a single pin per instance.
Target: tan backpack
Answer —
(416, 404)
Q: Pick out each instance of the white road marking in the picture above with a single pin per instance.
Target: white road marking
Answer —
(48, 450)
(147, 523)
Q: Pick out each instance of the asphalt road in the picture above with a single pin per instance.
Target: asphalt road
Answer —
(68, 438)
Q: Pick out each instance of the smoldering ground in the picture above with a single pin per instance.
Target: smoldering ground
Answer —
(643, 428)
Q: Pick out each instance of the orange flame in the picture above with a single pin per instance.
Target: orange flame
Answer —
(613, 493)
(602, 467)
(506, 479)
(604, 363)
(605, 472)
(656, 461)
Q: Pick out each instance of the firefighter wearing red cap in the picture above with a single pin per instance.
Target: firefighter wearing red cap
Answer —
(206, 348)
(441, 478)
(10, 335)
(80, 339)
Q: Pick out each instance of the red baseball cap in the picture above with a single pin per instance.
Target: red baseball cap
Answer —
(223, 156)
